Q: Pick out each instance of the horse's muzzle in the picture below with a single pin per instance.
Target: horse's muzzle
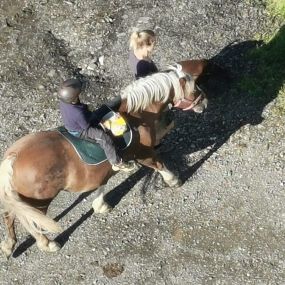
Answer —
(198, 105)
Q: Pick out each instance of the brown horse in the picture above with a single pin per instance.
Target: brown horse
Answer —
(39, 165)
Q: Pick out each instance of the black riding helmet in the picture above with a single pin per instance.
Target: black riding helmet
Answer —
(70, 90)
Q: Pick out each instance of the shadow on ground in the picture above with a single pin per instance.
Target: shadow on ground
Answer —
(236, 98)
(113, 198)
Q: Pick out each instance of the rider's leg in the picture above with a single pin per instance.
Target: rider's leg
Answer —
(106, 142)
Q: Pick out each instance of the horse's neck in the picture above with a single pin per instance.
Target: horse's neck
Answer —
(123, 106)
(154, 108)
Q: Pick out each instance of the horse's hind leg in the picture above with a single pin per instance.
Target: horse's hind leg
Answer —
(42, 241)
(7, 246)
(46, 244)
(99, 205)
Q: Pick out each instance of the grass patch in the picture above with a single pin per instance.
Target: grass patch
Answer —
(276, 7)
(268, 80)
(269, 59)
(280, 104)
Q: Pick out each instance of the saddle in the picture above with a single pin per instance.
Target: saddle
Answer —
(91, 152)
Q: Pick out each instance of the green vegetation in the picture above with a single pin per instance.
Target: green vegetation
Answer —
(267, 82)
(277, 7)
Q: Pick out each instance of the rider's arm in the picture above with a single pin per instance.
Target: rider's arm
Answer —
(82, 119)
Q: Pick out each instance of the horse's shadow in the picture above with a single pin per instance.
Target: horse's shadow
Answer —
(236, 98)
(30, 240)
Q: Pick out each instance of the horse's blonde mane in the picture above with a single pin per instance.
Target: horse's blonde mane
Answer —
(153, 88)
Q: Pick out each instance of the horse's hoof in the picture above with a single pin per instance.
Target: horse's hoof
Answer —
(102, 209)
(6, 251)
(179, 183)
(7, 248)
(54, 246)
(174, 183)
(48, 246)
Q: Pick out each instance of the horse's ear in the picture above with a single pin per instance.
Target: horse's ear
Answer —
(182, 82)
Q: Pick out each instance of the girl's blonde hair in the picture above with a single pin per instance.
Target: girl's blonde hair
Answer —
(142, 38)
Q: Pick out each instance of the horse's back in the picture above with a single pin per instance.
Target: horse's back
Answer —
(47, 163)
(34, 141)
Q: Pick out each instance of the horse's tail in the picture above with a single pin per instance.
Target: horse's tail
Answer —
(32, 219)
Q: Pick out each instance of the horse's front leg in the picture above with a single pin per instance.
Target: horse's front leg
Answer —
(155, 163)
(169, 177)
(99, 204)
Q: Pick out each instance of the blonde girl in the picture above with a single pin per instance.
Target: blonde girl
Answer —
(141, 48)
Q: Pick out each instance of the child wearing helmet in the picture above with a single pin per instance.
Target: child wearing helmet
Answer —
(76, 118)
(141, 48)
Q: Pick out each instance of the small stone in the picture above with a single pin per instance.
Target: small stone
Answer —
(101, 60)
(51, 73)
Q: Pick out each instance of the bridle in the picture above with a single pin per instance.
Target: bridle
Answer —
(190, 102)
(197, 95)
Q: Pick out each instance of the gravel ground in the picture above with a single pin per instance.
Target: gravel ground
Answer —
(225, 224)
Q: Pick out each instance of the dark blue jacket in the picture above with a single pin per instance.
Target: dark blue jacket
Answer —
(75, 117)
(141, 68)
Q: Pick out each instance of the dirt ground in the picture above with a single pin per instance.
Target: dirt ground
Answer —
(225, 224)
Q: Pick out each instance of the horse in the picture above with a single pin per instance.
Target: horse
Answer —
(40, 165)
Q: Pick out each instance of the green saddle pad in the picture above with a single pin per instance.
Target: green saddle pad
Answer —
(91, 152)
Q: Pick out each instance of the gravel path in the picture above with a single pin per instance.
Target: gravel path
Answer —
(225, 225)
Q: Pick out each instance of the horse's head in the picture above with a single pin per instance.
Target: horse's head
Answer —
(176, 85)
(194, 97)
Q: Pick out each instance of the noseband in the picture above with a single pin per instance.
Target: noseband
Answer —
(187, 104)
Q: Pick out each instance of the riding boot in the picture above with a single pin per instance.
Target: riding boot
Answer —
(124, 166)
